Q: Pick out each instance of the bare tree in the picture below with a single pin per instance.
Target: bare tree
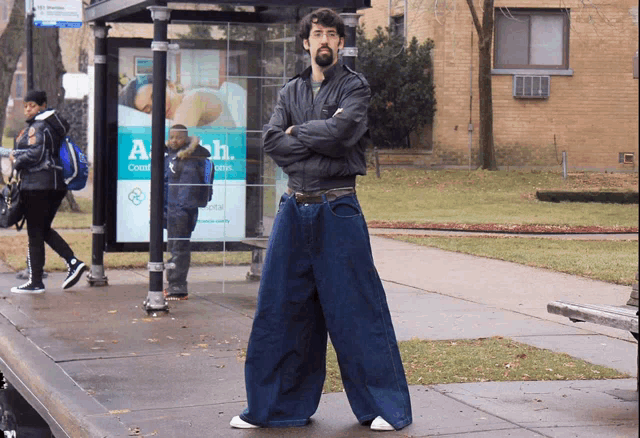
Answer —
(47, 65)
(12, 43)
(485, 39)
(48, 70)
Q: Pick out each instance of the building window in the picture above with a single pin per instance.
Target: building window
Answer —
(531, 38)
(397, 26)
(19, 94)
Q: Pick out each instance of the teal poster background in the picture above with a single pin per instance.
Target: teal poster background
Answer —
(228, 148)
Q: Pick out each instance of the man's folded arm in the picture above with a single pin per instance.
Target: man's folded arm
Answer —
(334, 136)
(283, 148)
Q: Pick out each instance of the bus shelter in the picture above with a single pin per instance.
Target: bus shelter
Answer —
(216, 68)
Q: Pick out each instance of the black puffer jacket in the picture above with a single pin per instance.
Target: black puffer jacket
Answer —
(37, 152)
(327, 147)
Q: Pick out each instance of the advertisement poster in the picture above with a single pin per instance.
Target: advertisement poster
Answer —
(212, 108)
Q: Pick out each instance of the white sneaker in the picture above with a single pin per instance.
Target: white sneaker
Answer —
(380, 424)
(239, 423)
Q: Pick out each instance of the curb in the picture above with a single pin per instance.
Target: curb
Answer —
(67, 409)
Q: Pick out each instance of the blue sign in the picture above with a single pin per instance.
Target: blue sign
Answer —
(57, 13)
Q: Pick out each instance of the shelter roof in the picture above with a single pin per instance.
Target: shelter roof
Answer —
(264, 11)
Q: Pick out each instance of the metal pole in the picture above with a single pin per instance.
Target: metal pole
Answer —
(257, 261)
(29, 29)
(155, 299)
(96, 276)
(470, 129)
(350, 51)
(564, 164)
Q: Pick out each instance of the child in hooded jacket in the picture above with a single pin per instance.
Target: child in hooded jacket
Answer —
(185, 191)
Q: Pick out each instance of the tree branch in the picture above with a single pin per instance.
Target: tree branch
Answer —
(487, 24)
(12, 43)
(474, 15)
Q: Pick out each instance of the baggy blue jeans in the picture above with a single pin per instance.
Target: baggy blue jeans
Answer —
(319, 276)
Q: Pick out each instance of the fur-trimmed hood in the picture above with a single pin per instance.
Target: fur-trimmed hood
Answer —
(192, 150)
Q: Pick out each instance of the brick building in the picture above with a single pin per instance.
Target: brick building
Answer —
(563, 80)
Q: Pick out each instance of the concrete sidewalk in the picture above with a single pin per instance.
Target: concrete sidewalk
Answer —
(94, 364)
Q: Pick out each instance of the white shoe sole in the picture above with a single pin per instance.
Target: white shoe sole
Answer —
(380, 424)
(17, 290)
(238, 423)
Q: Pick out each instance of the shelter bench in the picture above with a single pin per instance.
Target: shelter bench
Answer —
(619, 317)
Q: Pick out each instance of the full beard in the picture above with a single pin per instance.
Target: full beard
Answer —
(324, 58)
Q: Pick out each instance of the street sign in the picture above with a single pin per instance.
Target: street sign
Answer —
(57, 13)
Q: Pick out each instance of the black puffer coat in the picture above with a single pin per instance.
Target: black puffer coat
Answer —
(37, 152)
(327, 147)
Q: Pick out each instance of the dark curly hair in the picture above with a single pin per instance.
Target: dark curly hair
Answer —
(324, 16)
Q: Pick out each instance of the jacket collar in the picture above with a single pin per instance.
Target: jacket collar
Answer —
(328, 73)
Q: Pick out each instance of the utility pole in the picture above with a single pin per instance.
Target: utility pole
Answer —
(28, 7)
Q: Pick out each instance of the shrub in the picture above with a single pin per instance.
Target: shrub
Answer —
(402, 90)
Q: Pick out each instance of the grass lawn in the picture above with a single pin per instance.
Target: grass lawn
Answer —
(483, 197)
(13, 250)
(458, 197)
(610, 261)
(66, 219)
(477, 197)
(7, 142)
(495, 359)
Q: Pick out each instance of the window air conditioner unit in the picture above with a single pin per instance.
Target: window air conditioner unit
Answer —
(531, 87)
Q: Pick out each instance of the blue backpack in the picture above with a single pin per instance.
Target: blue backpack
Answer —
(207, 193)
(75, 166)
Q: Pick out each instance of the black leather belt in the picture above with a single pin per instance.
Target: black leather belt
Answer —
(317, 196)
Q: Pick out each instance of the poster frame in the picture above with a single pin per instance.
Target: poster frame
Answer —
(254, 154)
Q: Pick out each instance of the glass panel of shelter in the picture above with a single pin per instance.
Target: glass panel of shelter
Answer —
(244, 71)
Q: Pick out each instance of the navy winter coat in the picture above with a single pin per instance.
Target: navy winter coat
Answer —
(184, 175)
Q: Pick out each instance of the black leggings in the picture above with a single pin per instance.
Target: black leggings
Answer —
(40, 209)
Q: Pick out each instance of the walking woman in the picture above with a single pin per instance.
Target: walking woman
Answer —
(36, 158)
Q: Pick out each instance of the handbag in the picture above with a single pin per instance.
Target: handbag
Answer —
(11, 209)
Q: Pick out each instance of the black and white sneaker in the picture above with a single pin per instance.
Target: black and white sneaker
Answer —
(28, 288)
(75, 268)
